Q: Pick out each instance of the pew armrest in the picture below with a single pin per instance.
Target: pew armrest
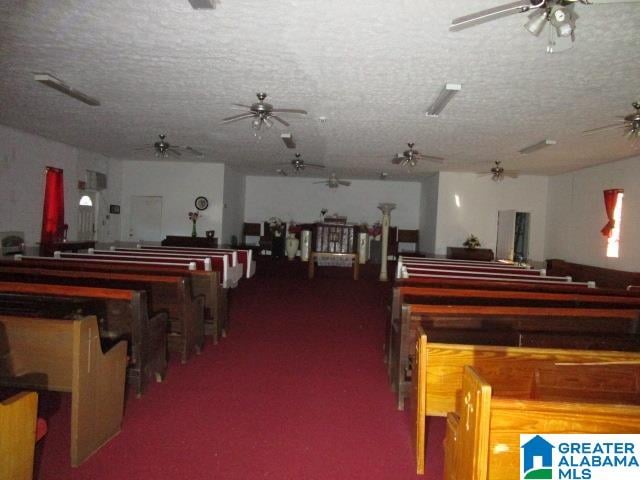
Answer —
(18, 435)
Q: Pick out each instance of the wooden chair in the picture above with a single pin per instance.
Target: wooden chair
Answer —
(250, 230)
(409, 236)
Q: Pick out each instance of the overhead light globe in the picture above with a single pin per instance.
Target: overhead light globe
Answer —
(536, 22)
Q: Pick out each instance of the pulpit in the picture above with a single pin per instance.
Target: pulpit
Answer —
(335, 238)
(334, 244)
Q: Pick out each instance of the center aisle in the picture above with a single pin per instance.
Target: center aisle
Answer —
(297, 390)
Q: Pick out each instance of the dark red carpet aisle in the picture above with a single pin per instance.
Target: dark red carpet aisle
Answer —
(298, 390)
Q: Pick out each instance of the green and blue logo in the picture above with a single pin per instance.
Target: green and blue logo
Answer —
(580, 456)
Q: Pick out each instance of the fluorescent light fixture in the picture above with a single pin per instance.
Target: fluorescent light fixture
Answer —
(537, 146)
(287, 138)
(445, 96)
(53, 82)
(203, 4)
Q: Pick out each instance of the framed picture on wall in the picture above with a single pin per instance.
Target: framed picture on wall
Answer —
(115, 209)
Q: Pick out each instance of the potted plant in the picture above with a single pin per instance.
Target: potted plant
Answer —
(471, 242)
(193, 216)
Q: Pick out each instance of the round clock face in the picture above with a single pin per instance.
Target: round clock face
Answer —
(202, 203)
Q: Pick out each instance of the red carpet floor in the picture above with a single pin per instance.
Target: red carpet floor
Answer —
(297, 390)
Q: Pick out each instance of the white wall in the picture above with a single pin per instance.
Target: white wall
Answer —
(576, 215)
(299, 199)
(429, 214)
(233, 210)
(480, 200)
(23, 158)
(179, 183)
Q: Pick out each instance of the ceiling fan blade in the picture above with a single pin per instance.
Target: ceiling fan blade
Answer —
(397, 160)
(346, 183)
(277, 118)
(607, 127)
(429, 158)
(248, 107)
(143, 148)
(289, 110)
(193, 151)
(172, 151)
(510, 174)
(323, 181)
(237, 117)
(314, 165)
(491, 14)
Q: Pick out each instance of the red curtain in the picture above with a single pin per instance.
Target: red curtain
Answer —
(53, 210)
(610, 202)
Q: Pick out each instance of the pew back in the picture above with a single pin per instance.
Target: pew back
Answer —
(18, 416)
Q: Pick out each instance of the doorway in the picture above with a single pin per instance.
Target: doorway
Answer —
(87, 214)
(513, 236)
(145, 223)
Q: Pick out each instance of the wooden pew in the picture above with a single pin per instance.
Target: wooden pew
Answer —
(439, 371)
(450, 296)
(574, 327)
(477, 272)
(123, 314)
(66, 356)
(221, 262)
(483, 436)
(18, 416)
(172, 294)
(451, 261)
(244, 256)
(203, 283)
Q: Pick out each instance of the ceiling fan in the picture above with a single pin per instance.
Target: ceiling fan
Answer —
(630, 123)
(262, 113)
(411, 156)
(334, 182)
(164, 149)
(559, 13)
(498, 172)
(299, 164)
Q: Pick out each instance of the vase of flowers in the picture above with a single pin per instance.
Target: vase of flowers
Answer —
(193, 217)
(471, 242)
(276, 227)
(293, 242)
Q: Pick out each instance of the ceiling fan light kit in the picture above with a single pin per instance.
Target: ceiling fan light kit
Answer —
(537, 146)
(57, 84)
(203, 4)
(287, 138)
(444, 97)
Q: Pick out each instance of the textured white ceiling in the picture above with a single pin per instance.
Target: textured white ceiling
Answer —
(371, 67)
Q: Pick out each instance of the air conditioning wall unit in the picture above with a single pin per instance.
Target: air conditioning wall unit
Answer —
(96, 180)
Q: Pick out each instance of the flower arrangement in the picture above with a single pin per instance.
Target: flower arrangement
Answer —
(471, 242)
(193, 217)
(375, 230)
(276, 225)
(294, 228)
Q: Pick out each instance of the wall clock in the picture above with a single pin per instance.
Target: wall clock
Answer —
(202, 203)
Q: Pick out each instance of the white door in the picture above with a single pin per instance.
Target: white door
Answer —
(506, 234)
(145, 223)
(87, 216)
